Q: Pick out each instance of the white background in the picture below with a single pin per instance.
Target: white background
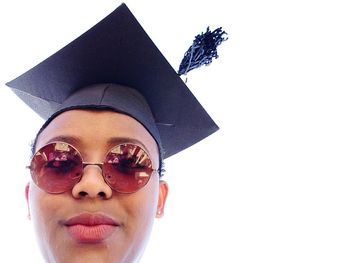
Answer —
(273, 184)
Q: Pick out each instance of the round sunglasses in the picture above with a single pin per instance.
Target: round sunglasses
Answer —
(58, 166)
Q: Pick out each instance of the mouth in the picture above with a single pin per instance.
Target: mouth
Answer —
(91, 228)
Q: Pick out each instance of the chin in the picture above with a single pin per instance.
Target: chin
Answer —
(104, 252)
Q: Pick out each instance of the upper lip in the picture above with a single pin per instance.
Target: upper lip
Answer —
(89, 219)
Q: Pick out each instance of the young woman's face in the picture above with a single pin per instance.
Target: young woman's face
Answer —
(130, 216)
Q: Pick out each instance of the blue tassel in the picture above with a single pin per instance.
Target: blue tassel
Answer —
(202, 51)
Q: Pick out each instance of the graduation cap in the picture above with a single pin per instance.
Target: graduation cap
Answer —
(116, 66)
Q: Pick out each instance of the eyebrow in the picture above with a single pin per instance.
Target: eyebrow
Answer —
(110, 142)
(119, 140)
(62, 138)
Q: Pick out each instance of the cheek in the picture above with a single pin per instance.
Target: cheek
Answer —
(42, 205)
(44, 209)
(144, 202)
(141, 210)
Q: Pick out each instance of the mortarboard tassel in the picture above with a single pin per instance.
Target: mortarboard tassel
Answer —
(202, 51)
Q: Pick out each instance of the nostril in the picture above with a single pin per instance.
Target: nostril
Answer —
(83, 194)
(102, 194)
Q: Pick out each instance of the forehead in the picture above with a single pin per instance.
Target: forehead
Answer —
(92, 128)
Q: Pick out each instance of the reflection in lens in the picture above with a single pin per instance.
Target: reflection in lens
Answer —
(127, 168)
(56, 167)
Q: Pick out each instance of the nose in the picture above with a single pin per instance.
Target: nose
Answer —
(92, 184)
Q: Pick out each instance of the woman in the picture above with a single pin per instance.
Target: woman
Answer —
(114, 109)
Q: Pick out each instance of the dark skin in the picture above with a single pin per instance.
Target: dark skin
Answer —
(91, 131)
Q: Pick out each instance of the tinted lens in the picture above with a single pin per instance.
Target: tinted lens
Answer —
(56, 167)
(127, 168)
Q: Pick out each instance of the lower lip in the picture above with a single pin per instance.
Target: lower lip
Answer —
(91, 234)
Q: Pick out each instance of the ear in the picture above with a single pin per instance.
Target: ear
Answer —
(27, 198)
(163, 193)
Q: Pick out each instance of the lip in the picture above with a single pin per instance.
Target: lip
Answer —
(91, 228)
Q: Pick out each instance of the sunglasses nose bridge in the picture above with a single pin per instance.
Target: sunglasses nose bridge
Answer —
(100, 165)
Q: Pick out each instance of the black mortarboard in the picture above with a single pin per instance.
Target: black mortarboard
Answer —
(118, 51)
